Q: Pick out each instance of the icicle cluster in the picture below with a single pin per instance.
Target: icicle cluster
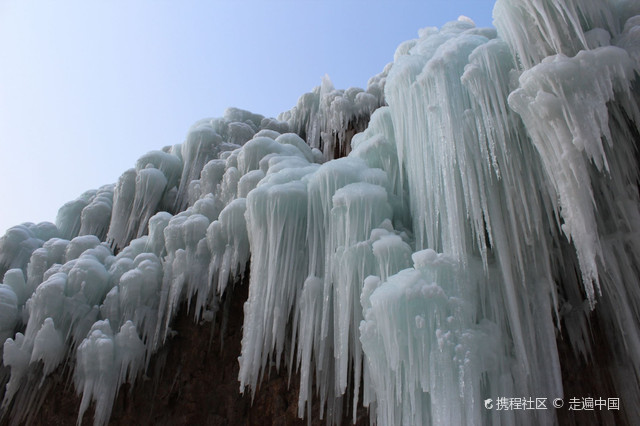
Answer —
(509, 146)
(490, 206)
(76, 303)
(328, 118)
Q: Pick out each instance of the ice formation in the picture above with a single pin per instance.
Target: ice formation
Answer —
(487, 209)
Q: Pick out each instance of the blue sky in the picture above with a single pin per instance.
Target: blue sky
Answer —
(87, 87)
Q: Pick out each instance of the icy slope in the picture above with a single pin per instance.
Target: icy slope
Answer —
(489, 207)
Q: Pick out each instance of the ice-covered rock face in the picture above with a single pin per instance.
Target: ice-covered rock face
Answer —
(492, 203)
(76, 300)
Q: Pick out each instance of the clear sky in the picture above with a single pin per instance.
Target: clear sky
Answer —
(87, 87)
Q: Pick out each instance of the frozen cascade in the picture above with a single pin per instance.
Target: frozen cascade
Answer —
(486, 216)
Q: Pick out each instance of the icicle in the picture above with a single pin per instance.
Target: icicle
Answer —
(568, 122)
(19, 242)
(101, 355)
(536, 29)
(96, 216)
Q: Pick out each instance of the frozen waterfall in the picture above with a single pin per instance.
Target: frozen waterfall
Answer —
(461, 231)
